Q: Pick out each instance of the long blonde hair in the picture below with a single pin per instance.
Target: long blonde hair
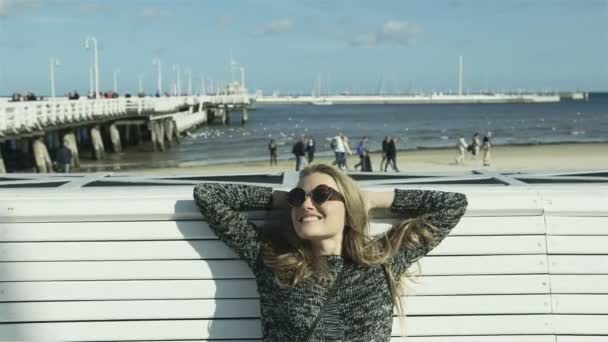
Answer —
(292, 260)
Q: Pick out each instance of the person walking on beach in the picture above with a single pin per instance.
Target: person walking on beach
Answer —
(366, 162)
(272, 148)
(462, 147)
(310, 150)
(384, 149)
(347, 151)
(64, 158)
(299, 151)
(339, 146)
(361, 152)
(475, 144)
(319, 273)
(486, 145)
(391, 155)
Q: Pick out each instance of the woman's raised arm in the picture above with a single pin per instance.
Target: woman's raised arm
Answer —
(442, 210)
(220, 205)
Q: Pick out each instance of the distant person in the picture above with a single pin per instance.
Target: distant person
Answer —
(337, 145)
(384, 149)
(299, 151)
(486, 145)
(361, 152)
(461, 147)
(310, 150)
(391, 155)
(64, 158)
(366, 162)
(347, 151)
(272, 148)
(475, 145)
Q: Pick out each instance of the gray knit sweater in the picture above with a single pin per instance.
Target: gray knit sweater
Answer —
(362, 301)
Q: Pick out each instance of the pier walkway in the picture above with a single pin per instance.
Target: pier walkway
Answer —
(38, 127)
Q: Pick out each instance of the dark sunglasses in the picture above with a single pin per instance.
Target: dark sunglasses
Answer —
(319, 195)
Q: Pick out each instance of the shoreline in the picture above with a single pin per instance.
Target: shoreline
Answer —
(543, 157)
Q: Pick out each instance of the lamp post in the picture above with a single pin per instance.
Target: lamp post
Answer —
(140, 80)
(243, 79)
(54, 62)
(189, 73)
(178, 86)
(96, 60)
(159, 81)
(116, 73)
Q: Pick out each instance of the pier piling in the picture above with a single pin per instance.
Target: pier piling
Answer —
(41, 156)
(115, 138)
(97, 142)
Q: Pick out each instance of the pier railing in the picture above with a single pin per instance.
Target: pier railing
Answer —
(27, 117)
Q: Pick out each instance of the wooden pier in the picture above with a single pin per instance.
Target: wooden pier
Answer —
(29, 130)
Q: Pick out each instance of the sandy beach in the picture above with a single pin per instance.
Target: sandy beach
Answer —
(559, 157)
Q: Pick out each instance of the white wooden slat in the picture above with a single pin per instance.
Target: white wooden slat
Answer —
(581, 283)
(250, 328)
(249, 308)
(221, 269)
(570, 244)
(215, 249)
(580, 324)
(576, 225)
(578, 264)
(581, 303)
(574, 338)
(568, 203)
(159, 205)
(246, 288)
(178, 230)
(483, 338)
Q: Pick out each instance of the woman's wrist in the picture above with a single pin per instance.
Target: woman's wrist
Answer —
(379, 200)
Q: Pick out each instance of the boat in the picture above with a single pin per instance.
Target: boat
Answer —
(322, 102)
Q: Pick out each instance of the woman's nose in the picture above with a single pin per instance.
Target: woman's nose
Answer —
(308, 202)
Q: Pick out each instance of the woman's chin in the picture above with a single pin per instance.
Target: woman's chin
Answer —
(311, 232)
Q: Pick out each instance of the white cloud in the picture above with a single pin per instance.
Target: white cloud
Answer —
(392, 32)
(154, 13)
(276, 27)
(12, 7)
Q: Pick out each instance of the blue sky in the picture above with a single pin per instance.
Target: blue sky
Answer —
(356, 45)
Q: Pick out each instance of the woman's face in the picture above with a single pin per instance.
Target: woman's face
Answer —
(312, 221)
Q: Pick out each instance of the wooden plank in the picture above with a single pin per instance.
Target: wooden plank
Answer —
(575, 202)
(153, 204)
(249, 308)
(198, 229)
(222, 269)
(571, 244)
(246, 288)
(577, 225)
(215, 249)
(580, 324)
(250, 328)
(581, 283)
(585, 304)
(578, 264)
(575, 338)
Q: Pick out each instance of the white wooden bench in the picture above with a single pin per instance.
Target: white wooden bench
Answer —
(138, 263)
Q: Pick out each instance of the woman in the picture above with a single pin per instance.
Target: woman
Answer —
(272, 148)
(320, 276)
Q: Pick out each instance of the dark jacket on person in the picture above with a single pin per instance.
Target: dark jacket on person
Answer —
(299, 149)
(391, 149)
(64, 156)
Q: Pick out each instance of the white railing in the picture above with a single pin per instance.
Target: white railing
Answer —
(24, 117)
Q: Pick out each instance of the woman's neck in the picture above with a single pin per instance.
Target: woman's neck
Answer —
(331, 246)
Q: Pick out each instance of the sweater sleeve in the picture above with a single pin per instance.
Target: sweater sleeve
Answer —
(220, 205)
(442, 210)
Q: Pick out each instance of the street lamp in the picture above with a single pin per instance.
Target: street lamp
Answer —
(243, 78)
(96, 60)
(141, 83)
(159, 85)
(116, 73)
(54, 62)
(178, 87)
(189, 73)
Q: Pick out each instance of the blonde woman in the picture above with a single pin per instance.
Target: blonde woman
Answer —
(320, 275)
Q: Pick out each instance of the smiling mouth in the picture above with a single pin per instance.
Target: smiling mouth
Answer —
(309, 219)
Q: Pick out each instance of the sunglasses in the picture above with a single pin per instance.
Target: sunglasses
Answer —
(319, 195)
